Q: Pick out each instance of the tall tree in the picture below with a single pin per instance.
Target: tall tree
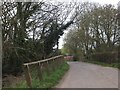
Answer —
(96, 29)
(31, 30)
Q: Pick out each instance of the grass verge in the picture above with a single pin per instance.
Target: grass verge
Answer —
(48, 81)
(115, 65)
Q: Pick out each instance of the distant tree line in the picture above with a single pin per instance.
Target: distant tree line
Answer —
(95, 34)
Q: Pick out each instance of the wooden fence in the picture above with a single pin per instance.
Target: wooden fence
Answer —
(46, 64)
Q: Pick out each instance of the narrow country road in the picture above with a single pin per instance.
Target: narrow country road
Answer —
(85, 75)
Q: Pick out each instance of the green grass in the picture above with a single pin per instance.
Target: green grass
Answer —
(115, 65)
(47, 81)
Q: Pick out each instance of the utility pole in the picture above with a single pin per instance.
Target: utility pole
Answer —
(0, 46)
(118, 17)
(119, 42)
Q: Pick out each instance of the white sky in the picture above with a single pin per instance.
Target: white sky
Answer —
(98, 1)
(113, 2)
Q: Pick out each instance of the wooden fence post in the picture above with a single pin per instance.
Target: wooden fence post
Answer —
(48, 67)
(53, 64)
(40, 71)
(56, 62)
(28, 76)
(59, 60)
(62, 60)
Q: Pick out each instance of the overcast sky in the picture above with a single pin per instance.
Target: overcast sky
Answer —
(113, 2)
(98, 1)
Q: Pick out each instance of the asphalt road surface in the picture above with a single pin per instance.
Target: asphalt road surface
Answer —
(86, 75)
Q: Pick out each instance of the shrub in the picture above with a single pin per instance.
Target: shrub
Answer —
(107, 57)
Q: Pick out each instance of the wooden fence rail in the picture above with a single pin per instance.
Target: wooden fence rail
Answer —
(50, 63)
